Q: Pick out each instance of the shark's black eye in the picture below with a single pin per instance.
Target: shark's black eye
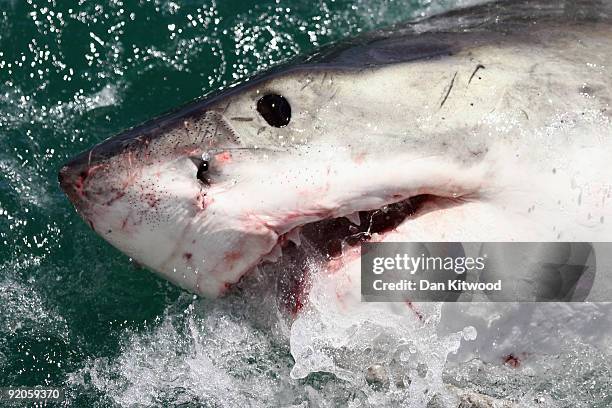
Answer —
(275, 109)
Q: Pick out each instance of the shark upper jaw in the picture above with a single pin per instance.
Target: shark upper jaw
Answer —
(331, 239)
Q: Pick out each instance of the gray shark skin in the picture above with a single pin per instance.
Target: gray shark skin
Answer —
(491, 123)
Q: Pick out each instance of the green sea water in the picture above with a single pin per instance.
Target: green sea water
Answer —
(74, 312)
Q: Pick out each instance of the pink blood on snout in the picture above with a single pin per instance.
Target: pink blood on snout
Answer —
(79, 183)
(202, 201)
(231, 257)
(223, 158)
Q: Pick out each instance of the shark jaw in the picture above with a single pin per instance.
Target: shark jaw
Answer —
(255, 204)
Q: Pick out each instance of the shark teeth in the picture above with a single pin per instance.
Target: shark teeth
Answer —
(277, 252)
(354, 218)
(294, 236)
(274, 254)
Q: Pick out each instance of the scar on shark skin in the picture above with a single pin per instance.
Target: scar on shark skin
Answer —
(449, 89)
(478, 68)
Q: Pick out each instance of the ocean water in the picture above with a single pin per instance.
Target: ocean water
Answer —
(76, 313)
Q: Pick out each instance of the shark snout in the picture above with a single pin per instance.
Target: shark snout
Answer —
(77, 181)
(71, 178)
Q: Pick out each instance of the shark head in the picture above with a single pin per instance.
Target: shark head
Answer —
(367, 140)
(205, 194)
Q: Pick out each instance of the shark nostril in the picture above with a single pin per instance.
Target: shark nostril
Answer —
(202, 164)
(71, 178)
(202, 169)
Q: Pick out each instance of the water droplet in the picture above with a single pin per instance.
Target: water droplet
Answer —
(469, 333)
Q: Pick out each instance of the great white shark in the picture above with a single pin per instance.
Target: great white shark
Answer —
(491, 123)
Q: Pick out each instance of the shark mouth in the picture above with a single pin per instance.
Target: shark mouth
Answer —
(329, 244)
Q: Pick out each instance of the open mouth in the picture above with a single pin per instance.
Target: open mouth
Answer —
(330, 243)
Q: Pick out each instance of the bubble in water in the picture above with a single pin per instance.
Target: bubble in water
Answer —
(469, 333)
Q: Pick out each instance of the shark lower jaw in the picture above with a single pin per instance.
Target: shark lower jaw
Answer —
(330, 243)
